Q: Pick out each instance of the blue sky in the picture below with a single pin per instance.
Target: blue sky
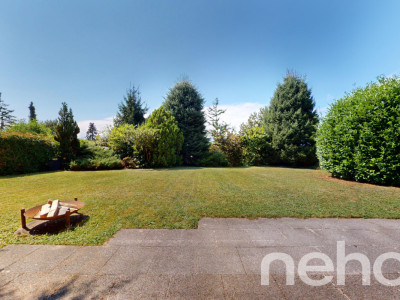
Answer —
(87, 53)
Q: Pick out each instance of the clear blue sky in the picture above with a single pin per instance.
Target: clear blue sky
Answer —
(87, 53)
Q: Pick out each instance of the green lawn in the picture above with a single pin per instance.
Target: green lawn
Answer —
(178, 198)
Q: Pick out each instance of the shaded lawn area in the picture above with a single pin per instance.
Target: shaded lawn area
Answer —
(178, 198)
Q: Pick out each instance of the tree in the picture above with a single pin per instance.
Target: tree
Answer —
(132, 110)
(33, 127)
(32, 112)
(6, 117)
(169, 143)
(52, 124)
(186, 105)
(91, 132)
(359, 138)
(66, 133)
(291, 123)
(214, 119)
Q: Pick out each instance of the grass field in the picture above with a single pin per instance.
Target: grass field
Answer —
(178, 198)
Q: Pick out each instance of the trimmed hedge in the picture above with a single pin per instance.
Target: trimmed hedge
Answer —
(359, 138)
(24, 153)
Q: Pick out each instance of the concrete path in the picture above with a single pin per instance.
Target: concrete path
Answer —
(221, 259)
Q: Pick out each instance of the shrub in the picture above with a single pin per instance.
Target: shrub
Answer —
(145, 144)
(230, 144)
(24, 153)
(95, 157)
(170, 138)
(32, 126)
(360, 136)
(213, 159)
(121, 140)
(257, 149)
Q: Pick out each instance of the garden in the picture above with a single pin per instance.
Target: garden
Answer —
(165, 170)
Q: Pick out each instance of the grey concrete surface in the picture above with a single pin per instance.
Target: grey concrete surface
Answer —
(219, 260)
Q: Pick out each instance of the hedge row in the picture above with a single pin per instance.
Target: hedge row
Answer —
(24, 153)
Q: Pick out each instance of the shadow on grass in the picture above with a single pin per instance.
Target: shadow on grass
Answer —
(29, 174)
(57, 226)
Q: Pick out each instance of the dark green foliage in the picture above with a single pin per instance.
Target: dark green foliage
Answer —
(93, 157)
(91, 132)
(24, 153)
(213, 159)
(230, 144)
(6, 117)
(33, 127)
(359, 138)
(132, 110)
(257, 149)
(291, 123)
(66, 133)
(32, 112)
(170, 138)
(186, 105)
(51, 124)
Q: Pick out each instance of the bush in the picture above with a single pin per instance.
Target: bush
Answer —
(95, 157)
(170, 138)
(24, 153)
(145, 145)
(213, 159)
(230, 144)
(33, 127)
(257, 149)
(121, 140)
(359, 138)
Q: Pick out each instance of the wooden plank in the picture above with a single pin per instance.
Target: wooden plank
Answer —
(53, 209)
(63, 210)
(44, 210)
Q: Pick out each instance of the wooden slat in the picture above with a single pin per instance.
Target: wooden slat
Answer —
(63, 210)
(53, 209)
(44, 210)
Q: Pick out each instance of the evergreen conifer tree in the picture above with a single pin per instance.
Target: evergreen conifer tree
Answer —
(6, 117)
(291, 123)
(32, 112)
(132, 109)
(91, 132)
(186, 105)
(66, 133)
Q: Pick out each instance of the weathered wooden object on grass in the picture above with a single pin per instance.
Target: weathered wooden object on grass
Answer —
(55, 210)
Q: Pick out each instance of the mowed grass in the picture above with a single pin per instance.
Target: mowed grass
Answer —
(178, 198)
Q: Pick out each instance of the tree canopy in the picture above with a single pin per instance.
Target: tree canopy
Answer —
(132, 109)
(186, 105)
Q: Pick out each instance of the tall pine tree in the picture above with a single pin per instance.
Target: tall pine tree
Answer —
(91, 132)
(32, 112)
(186, 105)
(6, 117)
(214, 119)
(132, 109)
(66, 133)
(291, 123)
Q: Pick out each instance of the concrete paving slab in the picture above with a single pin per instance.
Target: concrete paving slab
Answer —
(86, 260)
(196, 286)
(174, 260)
(249, 287)
(219, 260)
(43, 259)
(130, 261)
(354, 289)
(13, 253)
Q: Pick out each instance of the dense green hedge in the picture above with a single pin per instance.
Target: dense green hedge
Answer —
(24, 153)
(359, 138)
